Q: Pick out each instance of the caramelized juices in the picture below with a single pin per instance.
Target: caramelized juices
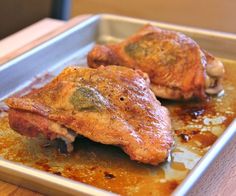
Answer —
(196, 127)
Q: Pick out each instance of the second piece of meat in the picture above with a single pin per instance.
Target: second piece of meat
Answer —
(176, 65)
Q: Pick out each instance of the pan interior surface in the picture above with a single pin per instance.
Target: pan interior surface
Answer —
(196, 125)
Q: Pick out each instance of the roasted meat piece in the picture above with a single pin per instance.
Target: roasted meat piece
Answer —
(176, 65)
(111, 105)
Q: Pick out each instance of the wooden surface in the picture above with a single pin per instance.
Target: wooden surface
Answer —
(7, 189)
(220, 179)
(27, 35)
(34, 35)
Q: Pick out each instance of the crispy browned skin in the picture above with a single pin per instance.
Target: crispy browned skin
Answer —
(111, 105)
(174, 62)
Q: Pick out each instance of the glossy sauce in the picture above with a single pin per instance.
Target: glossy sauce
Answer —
(196, 127)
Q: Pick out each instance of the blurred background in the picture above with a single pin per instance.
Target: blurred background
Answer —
(211, 14)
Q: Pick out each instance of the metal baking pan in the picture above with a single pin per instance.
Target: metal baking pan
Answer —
(71, 47)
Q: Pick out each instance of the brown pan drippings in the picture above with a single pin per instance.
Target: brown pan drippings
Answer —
(196, 127)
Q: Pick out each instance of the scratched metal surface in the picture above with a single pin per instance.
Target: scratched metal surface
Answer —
(196, 125)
